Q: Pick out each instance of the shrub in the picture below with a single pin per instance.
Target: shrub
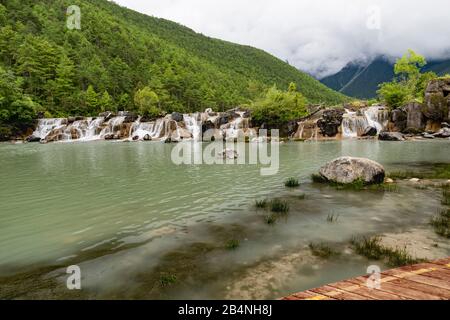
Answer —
(279, 206)
(292, 183)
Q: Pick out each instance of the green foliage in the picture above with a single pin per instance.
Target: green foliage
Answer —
(167, 280)
(261, 204)
(119, 51)
(322, 250)
(232, 244)
(436, 171)
(409, 84)
(371, 248)
(147, 102)
(279, 206)
(277, 107)
(441, 223)
(292, 183)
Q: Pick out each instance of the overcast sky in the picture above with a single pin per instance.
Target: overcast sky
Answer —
(317, 36)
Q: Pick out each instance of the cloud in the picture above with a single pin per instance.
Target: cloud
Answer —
(317, 36)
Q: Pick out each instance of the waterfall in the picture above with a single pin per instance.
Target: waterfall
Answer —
(193, 125)
(45, 126)
(113, 126)
(355, 123)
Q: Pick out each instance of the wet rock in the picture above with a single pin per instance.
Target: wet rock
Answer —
(71, 120)
(135, 138)
(399, 120)
(445, 125)
(348, 170)
(147, 137)
(176, 116)
(370, 132)
(330, 122)
(33, 138)
(110, 136)
(443, 133)
(388, 180)
(414, 180)
(437, 100)
(229, 154)
(107, 115)
(415, 118)
(428, 136)
(391, 136)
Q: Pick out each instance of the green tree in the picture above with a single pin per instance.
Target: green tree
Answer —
(91, 100)
(105, 102)
(146, 100)
(63, 87)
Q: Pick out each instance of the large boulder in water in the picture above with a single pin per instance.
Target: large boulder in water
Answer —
(370, 132)
(347, 170)
(437, 100)
(391, 136)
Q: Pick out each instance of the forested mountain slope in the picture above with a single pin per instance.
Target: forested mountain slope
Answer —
(47, 67)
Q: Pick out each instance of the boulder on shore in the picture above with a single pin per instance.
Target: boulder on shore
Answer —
(391, 136)
(370, 132)
(347, 170)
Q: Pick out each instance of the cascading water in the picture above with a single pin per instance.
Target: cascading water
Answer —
(113, 126)
(193, 125)
(45, 126)
(355, 123)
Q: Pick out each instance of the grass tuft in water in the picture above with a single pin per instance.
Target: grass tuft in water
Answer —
(438, 171)
(167, 280)
(232, 244)
(292, 183)
(271, 219)
(371, 248)
(261, 204)
(441, 223)
(279, 206)
(302, 196)
(332, 218)
(322, 250)
(446, 195)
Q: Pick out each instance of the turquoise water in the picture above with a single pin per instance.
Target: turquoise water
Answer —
(120, 209)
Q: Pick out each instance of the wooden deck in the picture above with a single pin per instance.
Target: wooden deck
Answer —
(425, 281)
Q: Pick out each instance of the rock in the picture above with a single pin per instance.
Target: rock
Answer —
(391, 136)
(428, 136)
(399, 120)
(147, 137)
(135, 138)
(370, 132)
(443, 133)
(178, 117)
(71, 119)
(388, 180)
(330, 122)
(445, 125)
(109, 136)
(414, 180)
(107, 115)
(33, 138)
(348, 169)
(229, 154)
(437, 99)
(208, 110)
(415, 118)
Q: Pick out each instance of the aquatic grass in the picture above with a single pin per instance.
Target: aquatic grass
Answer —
(279, 206)
(385, 187)
(271, 219)
(446, 195)
(371, 248)
(232, 244)
(322, 250)
(332, 218)
(261, 204)
(301, 197)
(437, 171)
(167, 280)
(441, 223)
(292, 183)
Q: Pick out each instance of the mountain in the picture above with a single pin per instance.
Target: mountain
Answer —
(362, 81)
(117, 52)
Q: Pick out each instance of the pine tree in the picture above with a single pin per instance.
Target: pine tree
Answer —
(91, 99)
(105, 102)
(63, 87)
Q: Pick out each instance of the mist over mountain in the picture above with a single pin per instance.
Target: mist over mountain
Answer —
(361, 79)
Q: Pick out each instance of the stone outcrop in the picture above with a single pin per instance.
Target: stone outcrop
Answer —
(330, 122)
(347, 170)
(437, 100)
(391, 136)
(415, 117)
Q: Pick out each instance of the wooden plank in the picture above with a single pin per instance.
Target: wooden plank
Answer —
(407, 292)
(442, 275)
(423, 288)
(338, 294)
(362, 289)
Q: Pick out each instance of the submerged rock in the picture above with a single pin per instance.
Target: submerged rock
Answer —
(391, 136)
(347, 170)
